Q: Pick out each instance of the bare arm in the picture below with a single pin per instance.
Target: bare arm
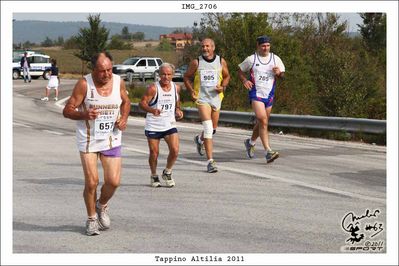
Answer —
(247, 83)
(147, 97)
(192, 67)
(78, 95)
(178, 112)
(125, 108)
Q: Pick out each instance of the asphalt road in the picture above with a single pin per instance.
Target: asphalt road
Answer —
(296, 204)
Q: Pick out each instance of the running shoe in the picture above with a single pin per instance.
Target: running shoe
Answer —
(271, 156)
(92, 227)
(155, 181)
(55, 99)
(168, 178)
(200, 146)
(103, 217)
(249, 148)
(211, 168)
(45, 99)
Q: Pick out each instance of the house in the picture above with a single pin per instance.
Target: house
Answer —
(178, 40)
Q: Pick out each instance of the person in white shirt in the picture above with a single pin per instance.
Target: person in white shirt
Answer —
(206, 80)
(100, 104)
(264, 69)
(161, 102)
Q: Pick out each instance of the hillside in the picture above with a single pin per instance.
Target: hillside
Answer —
(37, 31)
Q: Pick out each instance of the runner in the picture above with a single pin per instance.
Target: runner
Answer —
(100, 104)
(264, 68)
(161, 102)
(211, 77)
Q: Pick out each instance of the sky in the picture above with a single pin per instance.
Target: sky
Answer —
(154, 19)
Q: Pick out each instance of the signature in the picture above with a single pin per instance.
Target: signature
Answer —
(351, 223)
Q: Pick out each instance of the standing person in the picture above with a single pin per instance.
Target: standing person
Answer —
(264, 68)
(162, 104)
(53, 83)
(100, 105)
(25, 65)
(211, 77)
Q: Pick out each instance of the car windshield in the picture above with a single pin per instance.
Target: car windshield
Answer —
(130, 61)
(182, 68)
(16, 59)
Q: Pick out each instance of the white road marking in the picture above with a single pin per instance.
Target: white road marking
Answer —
(20, 125)
(53, 132)
(277, 178)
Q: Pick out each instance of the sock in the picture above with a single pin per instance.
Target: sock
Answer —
(252, 143)
(168, 171)
(210, 160)
(94, 217)
(99, 205)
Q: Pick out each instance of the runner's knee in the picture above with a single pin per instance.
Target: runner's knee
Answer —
(208, 129)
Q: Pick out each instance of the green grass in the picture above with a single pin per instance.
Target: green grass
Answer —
(68, 63)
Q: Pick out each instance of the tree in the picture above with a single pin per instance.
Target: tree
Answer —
(71, 43)
(373, 30)
(125, 34)
(164, 45)
(47, 42)
(59, 41)
(91, 40)
(138, 36)
(117, 43)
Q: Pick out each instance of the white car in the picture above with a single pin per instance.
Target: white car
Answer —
(39, 66)
(138, 67)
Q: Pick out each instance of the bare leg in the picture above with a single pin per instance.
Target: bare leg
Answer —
(262, 115)
(173, 145)
(153, 145)
(89, 163)
(112, 176)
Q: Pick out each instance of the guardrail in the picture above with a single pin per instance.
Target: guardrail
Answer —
(372, 126)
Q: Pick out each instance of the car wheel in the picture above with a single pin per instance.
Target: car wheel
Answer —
(46, 75)
(15, 74)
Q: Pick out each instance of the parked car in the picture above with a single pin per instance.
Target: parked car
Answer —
(39, 66)
(179, 73)
(138, 67)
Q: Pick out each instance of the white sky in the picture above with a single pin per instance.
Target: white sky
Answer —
(154, 19)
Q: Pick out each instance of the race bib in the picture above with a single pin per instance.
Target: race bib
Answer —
(103, 127)
(209, 78)
(264, 79)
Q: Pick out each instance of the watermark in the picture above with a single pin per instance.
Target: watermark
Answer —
(364, 232)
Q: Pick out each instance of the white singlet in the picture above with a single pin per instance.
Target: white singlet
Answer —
(166, 102)
(100, 134)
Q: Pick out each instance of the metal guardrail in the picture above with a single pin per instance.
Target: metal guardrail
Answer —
(292, 121)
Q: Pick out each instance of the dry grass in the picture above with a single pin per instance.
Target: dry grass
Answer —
(68, 63)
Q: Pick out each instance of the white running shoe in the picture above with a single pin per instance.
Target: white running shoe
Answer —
(92, 227)
(168, 178)
(155, 181)
(45, 99)
(103, 217)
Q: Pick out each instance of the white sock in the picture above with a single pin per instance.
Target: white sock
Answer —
(99, 205)
(252, 143)
(168, 171)
(94, 217)
(210, 160)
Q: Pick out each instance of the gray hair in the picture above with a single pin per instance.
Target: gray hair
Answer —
(95, 57)
(164, 65)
